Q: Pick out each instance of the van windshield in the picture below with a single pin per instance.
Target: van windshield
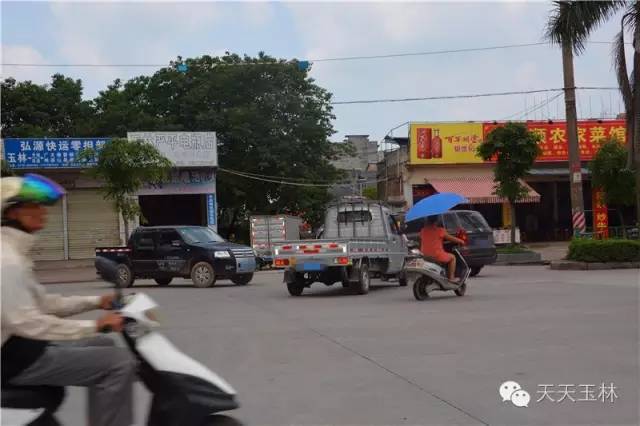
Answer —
(200, 235)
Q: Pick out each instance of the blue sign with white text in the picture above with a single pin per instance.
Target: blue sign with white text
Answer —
(55, 153)
(211, 209)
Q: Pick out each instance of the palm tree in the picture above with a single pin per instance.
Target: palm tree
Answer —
(570, 24)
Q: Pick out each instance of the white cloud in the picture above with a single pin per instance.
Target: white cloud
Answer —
(20, 54)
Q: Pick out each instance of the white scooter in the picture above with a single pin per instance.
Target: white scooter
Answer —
(185, 392)
(426, 275)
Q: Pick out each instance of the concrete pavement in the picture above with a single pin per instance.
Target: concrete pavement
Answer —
(387, 359)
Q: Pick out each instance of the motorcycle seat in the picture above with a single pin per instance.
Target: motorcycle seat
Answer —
(32, 397)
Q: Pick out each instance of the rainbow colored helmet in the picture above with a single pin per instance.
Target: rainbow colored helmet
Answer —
(30, 188)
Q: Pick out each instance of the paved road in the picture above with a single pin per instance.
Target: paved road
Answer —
(386, 359)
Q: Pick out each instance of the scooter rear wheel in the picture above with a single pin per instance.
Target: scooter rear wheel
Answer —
(420, 288)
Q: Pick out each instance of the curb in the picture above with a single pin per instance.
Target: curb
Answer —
(568, 265)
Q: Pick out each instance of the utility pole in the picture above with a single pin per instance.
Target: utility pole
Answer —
(575, 168)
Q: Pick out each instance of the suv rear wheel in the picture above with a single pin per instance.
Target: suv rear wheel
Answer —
(475, 270)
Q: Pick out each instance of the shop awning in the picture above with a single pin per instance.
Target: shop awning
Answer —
(480, 190)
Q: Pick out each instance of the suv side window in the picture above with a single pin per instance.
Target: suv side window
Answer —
(144, 241)
(473, 222)
(450, 223)
(168, 236)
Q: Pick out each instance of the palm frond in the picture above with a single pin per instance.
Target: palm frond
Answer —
(620, 65)
(573, 21)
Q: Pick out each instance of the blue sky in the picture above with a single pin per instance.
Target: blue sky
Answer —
(146, 32)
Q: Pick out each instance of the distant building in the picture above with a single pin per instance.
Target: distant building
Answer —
(360, 168)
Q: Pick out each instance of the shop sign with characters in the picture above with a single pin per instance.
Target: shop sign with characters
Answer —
(55, 153)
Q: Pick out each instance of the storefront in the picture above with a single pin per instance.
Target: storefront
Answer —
(84, 219)
(189, 197)
(441, 157)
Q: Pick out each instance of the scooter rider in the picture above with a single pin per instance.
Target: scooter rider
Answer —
(39, 345)
(432, 237)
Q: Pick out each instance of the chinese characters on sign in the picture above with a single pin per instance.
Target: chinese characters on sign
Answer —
(604, 392)
(445, 143)
(600, 214)
(196, 181)
(183, 149)
(211, 209)
(553, 143)
(50, 153)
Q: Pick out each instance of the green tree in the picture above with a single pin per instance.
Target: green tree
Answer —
(126, 166)
(610, 173)
(575, 23)
(514, 148)
(271, 120)
(54, 110)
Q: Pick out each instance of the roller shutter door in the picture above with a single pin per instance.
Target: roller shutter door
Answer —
(92, 221)
(50, 242)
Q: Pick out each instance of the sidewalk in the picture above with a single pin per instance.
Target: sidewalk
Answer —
(550, 251)
(65, 271)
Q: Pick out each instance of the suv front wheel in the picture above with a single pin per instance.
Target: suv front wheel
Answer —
(203, 275)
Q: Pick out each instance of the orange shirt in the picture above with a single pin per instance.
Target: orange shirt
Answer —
(431, 241)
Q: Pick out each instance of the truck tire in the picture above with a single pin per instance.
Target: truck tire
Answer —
(295, 288)
(402, 279)
(364, 280)
(125, 276)
(163, 281)
(203, 275)
(242, 279)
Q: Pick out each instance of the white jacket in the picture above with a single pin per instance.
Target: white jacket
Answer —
(27, 310)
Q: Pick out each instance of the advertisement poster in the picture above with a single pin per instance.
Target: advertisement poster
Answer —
(445, 143)
(56, 153)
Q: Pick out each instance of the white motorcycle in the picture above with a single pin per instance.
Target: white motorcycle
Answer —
(426, 275)
(185, 392)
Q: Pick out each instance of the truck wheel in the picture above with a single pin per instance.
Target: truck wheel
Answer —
(295, 288)
(420, 288)
(242, 279)
(364, 280)
(203, 275)
(163, 281)
(475, 271)
(402, 279)
(125, 276)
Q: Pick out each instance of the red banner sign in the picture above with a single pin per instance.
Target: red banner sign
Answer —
(600, 214)
(591, 134)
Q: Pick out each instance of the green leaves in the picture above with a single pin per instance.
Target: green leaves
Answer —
(514, 149)
(609, 171)
(125, 167)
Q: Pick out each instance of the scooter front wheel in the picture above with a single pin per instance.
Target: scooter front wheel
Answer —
(462, 290)
(420, 288)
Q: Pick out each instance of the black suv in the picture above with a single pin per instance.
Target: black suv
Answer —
(480, 249)
(166, 252)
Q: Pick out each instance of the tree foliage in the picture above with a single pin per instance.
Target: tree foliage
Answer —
(125, 167)
(514, 149)
(271, 120)
(609, 172)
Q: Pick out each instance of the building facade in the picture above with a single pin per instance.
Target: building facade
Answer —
(85, 220)
(441, 157)
(360, 169)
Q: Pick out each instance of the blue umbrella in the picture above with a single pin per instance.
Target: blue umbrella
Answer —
(434, 204)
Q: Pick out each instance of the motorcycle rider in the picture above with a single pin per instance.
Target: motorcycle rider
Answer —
(432, 237)
(40, 346)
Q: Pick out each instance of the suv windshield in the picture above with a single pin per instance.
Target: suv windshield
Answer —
(200, 235)
(473, 221)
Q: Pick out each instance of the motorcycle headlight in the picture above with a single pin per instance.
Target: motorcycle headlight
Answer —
(222, 254)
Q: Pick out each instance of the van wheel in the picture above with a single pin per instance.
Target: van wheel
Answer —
(364, 280)
(163, 281)
(420, 289)
(242, 279)
(125, 276)
(475, 271)
(203, 275)
(295, 288)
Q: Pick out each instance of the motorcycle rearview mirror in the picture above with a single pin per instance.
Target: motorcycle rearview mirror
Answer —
(412, 244)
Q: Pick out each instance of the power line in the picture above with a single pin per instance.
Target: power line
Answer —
(336, 59)
(285, 182)
(477, 95)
